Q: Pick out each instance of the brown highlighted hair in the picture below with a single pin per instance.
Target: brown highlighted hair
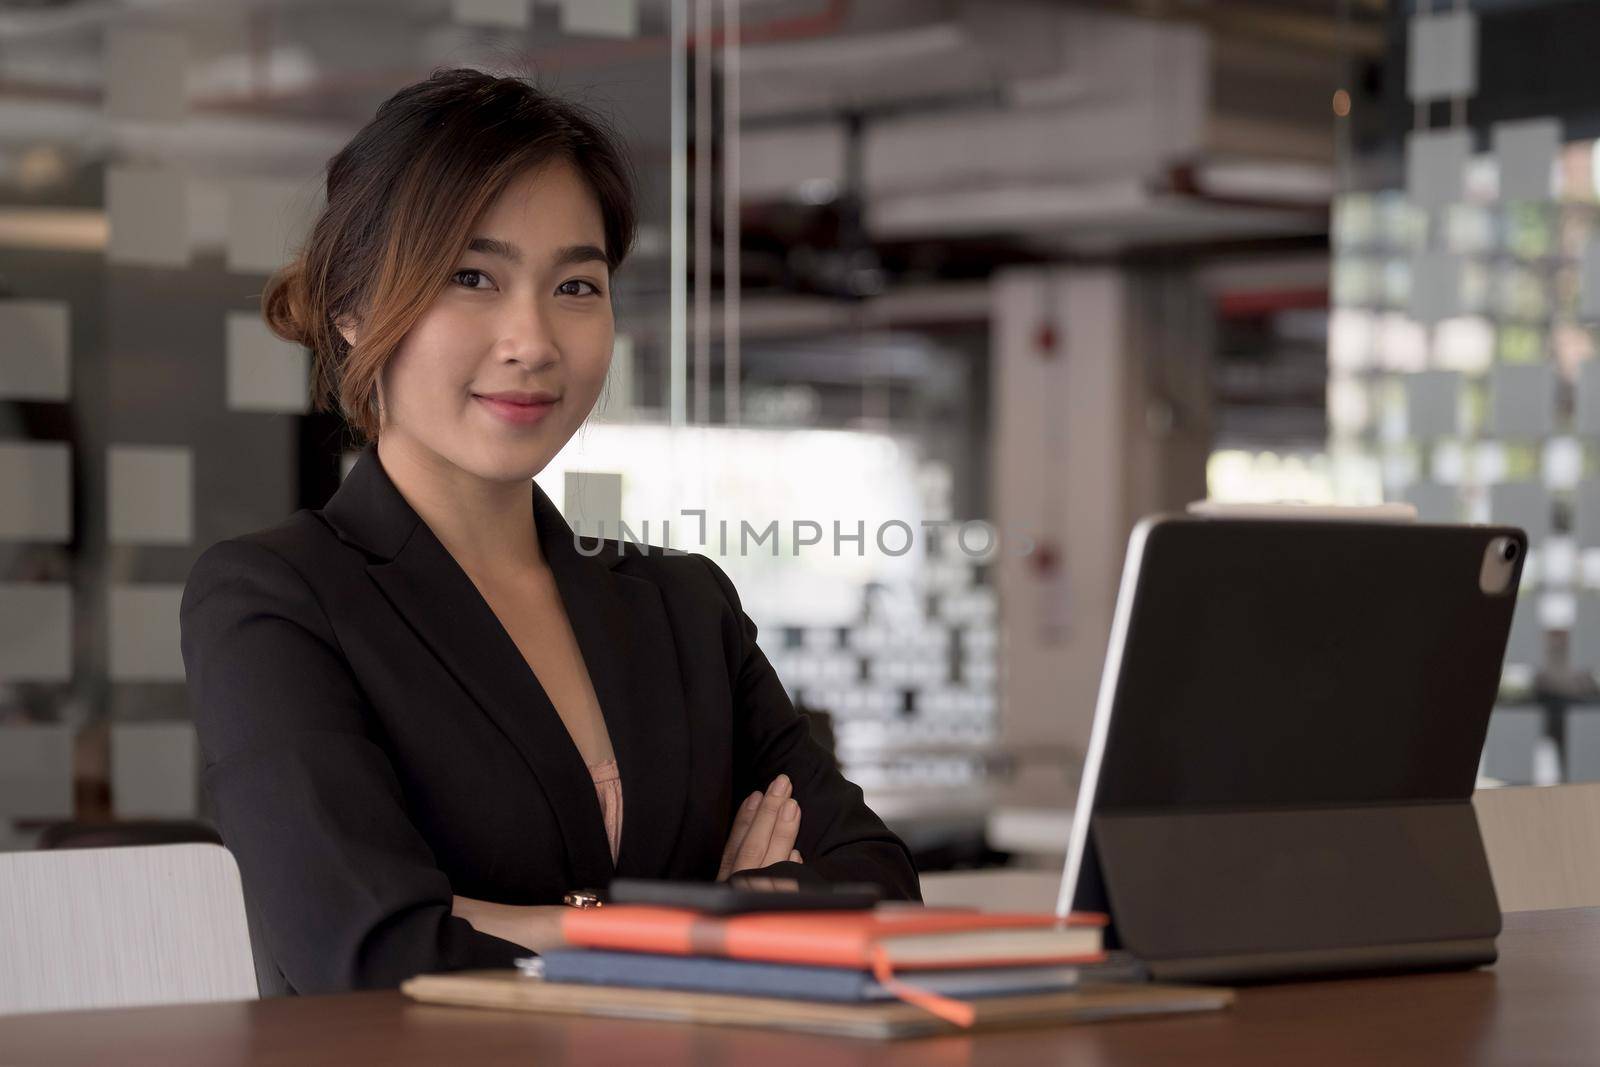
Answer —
(401, 199)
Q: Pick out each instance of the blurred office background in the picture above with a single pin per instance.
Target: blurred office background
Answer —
(1011, 273)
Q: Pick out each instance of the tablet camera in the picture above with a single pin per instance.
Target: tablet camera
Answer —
(1498, 573)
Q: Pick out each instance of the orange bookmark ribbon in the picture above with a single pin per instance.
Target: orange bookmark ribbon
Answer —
(958, 1012)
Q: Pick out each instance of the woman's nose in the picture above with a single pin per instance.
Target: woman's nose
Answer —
(527, 336)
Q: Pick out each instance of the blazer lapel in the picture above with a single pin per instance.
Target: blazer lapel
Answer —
(621, 628)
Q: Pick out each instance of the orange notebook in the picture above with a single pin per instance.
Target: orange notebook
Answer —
(880, 940)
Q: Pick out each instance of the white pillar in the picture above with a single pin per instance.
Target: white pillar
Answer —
(1100, 414)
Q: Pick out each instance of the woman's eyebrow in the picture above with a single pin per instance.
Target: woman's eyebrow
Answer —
(494, 246)
(574, 254)
(564, 257)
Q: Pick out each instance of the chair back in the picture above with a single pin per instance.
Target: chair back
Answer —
(122, 927)
(1543, 844)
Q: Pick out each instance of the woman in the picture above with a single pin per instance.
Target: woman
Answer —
(422, 707)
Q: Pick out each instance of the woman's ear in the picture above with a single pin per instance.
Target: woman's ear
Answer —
(348, 329)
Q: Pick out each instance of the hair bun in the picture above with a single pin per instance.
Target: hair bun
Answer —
(286, 305)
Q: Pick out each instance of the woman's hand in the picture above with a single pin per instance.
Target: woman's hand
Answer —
(764, 831)
(533, 926)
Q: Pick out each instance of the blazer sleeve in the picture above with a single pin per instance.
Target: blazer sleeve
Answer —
(347, 891)
(841, 839)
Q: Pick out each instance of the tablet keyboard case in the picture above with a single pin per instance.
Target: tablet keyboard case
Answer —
(1285, 783)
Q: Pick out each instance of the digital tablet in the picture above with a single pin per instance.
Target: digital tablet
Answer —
(1285, 744)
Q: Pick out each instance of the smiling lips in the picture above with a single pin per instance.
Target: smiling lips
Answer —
(520, 408)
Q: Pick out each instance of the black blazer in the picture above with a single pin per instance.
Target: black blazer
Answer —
(374, 741)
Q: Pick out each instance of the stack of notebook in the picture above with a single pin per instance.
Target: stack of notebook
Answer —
(885, 972)
(920, 955)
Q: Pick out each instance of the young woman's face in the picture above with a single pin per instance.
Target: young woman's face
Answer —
(503, 368)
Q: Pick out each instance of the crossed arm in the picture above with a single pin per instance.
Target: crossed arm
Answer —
(764, 832)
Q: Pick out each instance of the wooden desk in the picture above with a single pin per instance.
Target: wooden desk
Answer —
(1539, 1005)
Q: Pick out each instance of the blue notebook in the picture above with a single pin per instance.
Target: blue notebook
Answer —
(709, 974)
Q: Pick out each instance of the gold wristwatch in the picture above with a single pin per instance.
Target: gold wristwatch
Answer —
(583, 898)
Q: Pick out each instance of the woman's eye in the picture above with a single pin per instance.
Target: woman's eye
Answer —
(563, 289)
(469, 278)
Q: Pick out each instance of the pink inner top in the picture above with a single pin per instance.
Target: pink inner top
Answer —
(608, 786)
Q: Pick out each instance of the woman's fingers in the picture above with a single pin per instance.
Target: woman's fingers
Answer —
(753, 849)
(767, 885)
(741, 828)
(794, 854)
(784, 833)
(754, 837)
